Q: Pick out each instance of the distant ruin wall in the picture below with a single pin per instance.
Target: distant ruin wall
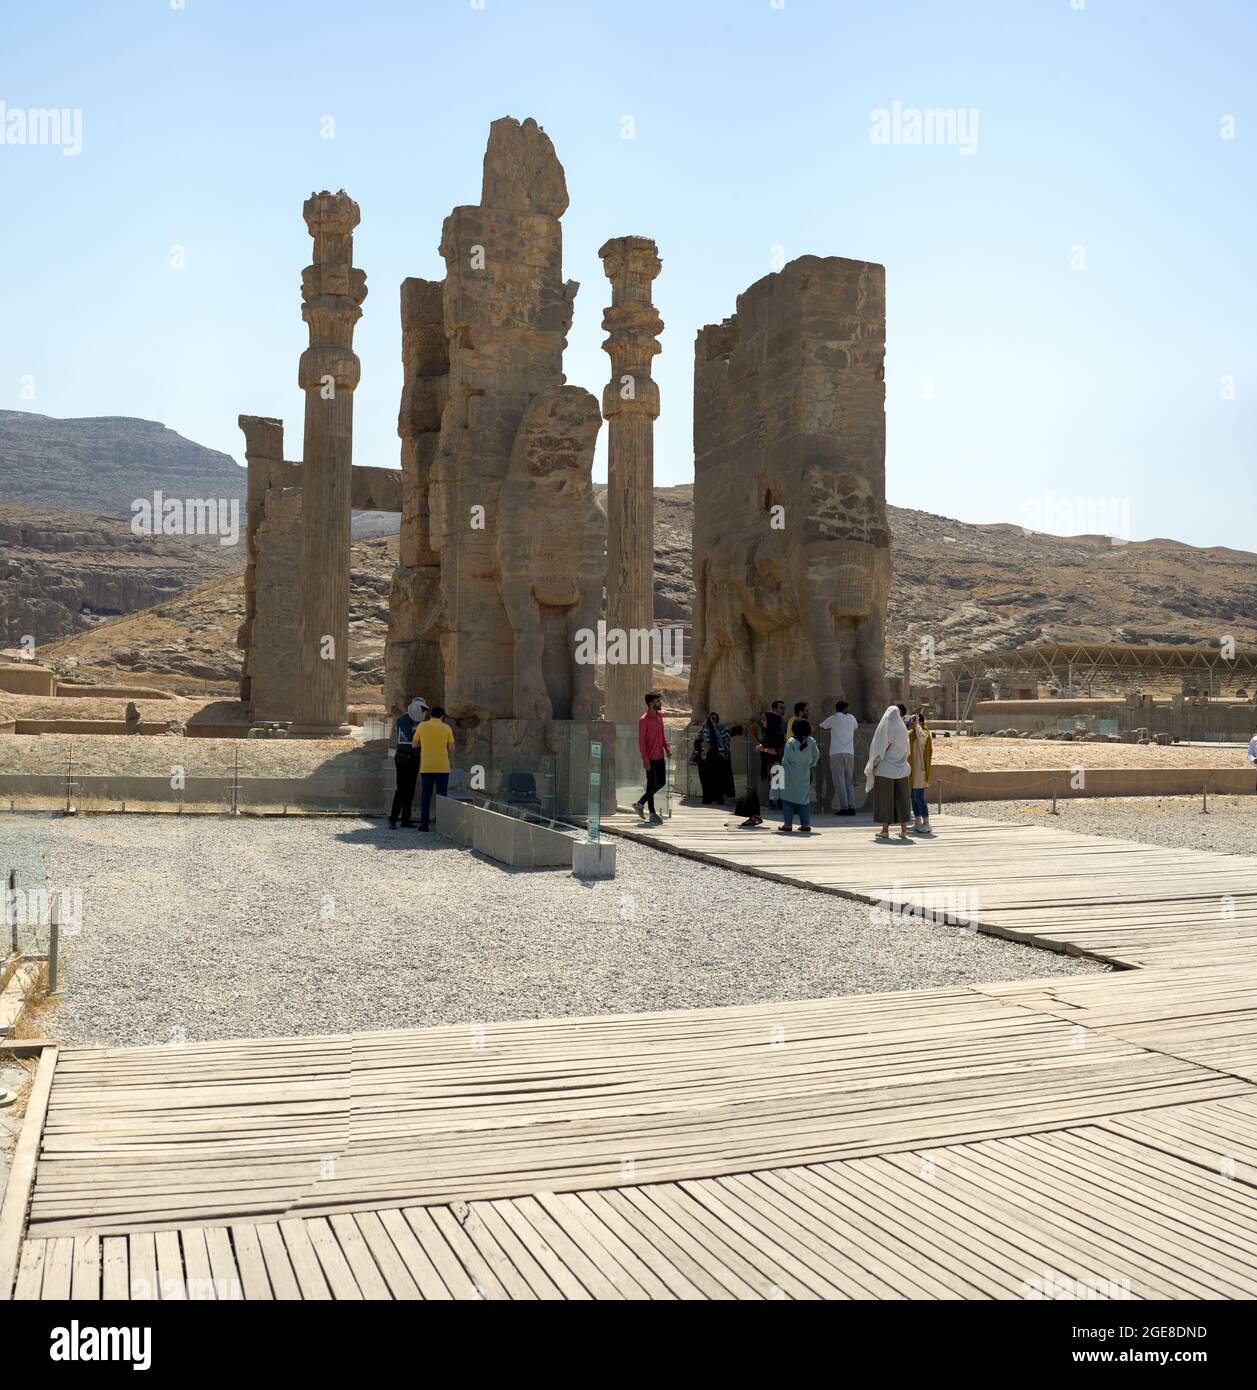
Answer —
(791, 536)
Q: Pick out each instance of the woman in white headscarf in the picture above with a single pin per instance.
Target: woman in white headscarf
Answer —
(886, 774)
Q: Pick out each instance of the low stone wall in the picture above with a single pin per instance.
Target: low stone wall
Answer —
(507, 839)
(111, 692)
(85, 726)
(27, 680)
(963, 784)
(358, 794)
(990, 716)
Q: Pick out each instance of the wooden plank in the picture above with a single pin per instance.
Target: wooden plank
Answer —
(144, 1285)
(228, 1285)
(358, 1255)
(306, 1265)
(251, 1263)
(58, 1270)
(170, 1275)
(115, 1273)
(401, 1283)
(455, 1278)
(21, 1182)
(283, 1280)
(199, 1277)
(86, 1274)
(418, 1265)
(490, 1271)
(30, 1273)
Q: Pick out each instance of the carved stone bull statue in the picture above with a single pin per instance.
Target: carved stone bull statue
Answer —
(551, 544)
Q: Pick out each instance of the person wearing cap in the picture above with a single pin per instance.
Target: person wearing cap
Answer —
(406, 761)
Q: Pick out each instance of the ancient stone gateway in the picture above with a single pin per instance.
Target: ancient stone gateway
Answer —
(791, 538)
(502, 548)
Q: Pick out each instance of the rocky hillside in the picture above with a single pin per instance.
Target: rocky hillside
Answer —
(102, 465)
(958, 588)
(62, 572)
(188, 642)
(979, 588)
(966, 588)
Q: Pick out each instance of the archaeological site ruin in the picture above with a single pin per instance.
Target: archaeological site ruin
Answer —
(791, 538)
(505, 557)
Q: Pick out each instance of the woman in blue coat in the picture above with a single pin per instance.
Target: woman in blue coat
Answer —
(797, 762)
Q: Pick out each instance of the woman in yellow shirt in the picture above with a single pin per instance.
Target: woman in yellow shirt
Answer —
(433, 738)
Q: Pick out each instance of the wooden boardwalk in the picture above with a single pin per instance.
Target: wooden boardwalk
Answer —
(1088, 1136)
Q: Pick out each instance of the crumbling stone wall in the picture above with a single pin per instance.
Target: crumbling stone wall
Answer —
(273, 653)
(791, 537)
(412, 662)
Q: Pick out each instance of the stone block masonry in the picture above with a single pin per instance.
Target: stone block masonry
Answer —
(791, 537)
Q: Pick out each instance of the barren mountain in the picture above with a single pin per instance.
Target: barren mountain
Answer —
(966, 588)
(102, 465)
(958, 588)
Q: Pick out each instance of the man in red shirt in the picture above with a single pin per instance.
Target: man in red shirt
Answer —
(652, 742)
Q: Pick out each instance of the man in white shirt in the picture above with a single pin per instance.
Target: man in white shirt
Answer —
(1252, 751)
(841, 726)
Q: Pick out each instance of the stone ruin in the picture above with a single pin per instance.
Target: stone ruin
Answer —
(502, 545)
(791, 536)
(503, 552)
(512, 523)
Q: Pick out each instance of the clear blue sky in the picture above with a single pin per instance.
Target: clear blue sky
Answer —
(1010, 375)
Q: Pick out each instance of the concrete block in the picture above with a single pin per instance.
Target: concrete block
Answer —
(453, 819)
(593, 858)
(519, 843)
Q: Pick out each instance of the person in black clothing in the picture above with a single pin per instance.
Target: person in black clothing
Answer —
(406, 761)
(772, 744)
(713, 752)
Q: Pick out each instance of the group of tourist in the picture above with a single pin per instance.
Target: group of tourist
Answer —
(897, 772)
(424, 741)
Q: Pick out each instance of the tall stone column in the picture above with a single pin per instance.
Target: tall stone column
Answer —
(630, 403)
(333, 290)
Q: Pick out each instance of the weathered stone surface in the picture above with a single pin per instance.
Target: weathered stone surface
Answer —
(630, 403)
(521, 171)
(413, 663)
(332, 289)
(507, 311)
(550, 554)
(791, 537)
(273, 670)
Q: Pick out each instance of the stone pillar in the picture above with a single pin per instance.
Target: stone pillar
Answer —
(333, 290)
(412, 656)
(263, 452)
(630, 404)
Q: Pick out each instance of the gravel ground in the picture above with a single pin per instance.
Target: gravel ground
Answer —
(1174, 821)
(211, 928)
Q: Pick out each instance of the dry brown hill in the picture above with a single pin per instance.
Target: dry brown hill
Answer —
(967, 588)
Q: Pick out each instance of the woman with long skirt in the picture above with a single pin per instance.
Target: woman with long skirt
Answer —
(713, 750)
(886, 774)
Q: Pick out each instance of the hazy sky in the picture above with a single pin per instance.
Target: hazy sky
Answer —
(1071, 307)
